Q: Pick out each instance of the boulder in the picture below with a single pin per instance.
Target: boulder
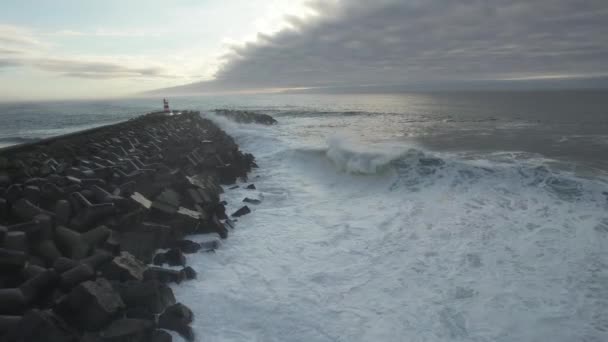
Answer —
(145, 240)
(63, 212)
(30, 271)
(164, 275)
(188, 246)
(210, 242)
(177, 318)
(166, 204)
(4, 208)
(13, 193)
(189, 273)
(251, 187)
(252, 200)
(150, 294)
(76, 275)
(26, 210)
(39, 286)
(15, 241)
(5, 180)
(92, 304)
(11, 260)
(12, 301)
(124, 267)
(8, 323)
(71, 243)
(161, 336)
(63, 264)
(243, 211)
(159, 259)
(140, 313)
(128, 330)
(37, 325)
(32, 193)
(88, 213)
(47, 250)
(175, 257)
(220, 211)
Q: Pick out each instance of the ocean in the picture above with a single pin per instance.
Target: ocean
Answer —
(457, 216)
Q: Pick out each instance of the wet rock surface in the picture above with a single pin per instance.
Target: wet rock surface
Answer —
(82, 216)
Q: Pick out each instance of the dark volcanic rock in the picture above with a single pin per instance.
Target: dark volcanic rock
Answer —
(152, 295)
(63, 264)
(128, 330)
(189, 272)
(252, 200)
(11, 260)
(12, 301)
(76, 275)
(72, 243)
(79, 203)
(140, 313)
(92, 304)
(159, 259)
(63, 212)
(243, 211)
(8, 323)
(161, 336)
(177, 318)
(39, 286)
(145, 240)
(188, 246)
(164, 275)
(16, 241)
(251, 187)
(175, 257)
(37, 325)
(210, 242)
(124, 267)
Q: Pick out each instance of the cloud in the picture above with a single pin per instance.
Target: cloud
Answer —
(7, 62)
(114, 33)
(4, 51)
(91, 67)
(397, 41)
(16, 36)
(98, 69)
(22, 48)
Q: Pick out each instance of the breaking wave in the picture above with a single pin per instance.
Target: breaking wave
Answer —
(385, 241)
(413, 169)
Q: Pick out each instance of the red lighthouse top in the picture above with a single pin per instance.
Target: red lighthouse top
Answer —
(166, 106)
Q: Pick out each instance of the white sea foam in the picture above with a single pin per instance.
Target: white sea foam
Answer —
(355, 243)
(354, 157)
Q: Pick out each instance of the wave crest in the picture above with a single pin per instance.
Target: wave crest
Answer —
(352, 157)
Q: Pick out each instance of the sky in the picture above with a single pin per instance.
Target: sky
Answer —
(81, 49)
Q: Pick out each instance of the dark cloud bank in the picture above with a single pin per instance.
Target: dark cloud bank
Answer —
(424, 42)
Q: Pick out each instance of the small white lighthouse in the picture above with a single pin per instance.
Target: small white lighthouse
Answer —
(166, 106)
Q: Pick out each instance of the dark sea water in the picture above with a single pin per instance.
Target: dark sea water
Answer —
(570, 126)
(463, 216)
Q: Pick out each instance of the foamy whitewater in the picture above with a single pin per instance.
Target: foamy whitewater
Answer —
(467, 216)
(359, 240)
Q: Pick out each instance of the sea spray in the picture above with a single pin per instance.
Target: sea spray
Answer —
(354, 243)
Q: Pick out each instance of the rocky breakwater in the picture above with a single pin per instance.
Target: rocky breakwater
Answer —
(83, 215)
(242, 116)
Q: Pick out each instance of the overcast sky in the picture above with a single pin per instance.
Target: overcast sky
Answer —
(75, 48)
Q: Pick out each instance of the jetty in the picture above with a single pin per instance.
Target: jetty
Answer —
(83, 216)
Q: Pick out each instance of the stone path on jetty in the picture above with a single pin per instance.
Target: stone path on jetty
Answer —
(82, 216)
